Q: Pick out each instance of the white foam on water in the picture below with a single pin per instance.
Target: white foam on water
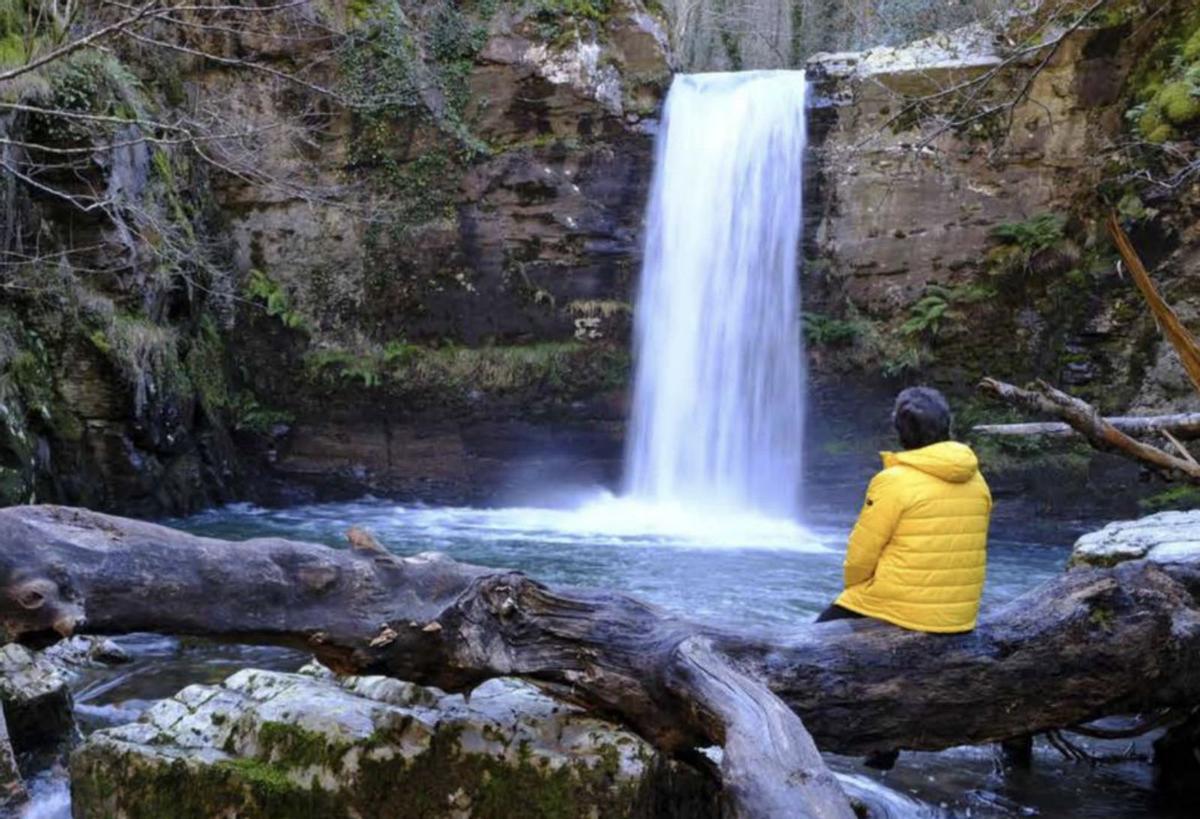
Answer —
(49, 797)
(601, 519)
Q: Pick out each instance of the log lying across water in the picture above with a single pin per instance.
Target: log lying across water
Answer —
(1090, 643)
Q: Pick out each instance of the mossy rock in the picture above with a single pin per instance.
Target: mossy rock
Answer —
(1180, 103)
(267, 744)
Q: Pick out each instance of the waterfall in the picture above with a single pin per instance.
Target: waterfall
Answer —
(717, 416)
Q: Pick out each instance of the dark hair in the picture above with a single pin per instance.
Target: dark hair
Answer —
(922, 417)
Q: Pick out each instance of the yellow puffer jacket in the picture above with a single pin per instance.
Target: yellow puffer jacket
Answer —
(918, 554)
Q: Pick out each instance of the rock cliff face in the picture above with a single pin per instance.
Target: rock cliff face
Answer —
(433, 219)
(957, 193)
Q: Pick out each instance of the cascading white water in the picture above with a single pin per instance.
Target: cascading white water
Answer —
(717, 416)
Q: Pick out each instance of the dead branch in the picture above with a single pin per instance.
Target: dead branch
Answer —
(1085, 419)
(1185, 426)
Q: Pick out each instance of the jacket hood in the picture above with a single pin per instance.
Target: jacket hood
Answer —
(948, 460)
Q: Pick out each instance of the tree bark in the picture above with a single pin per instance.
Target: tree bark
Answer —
(1090, 643)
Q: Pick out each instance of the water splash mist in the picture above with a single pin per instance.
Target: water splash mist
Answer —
(717, 418)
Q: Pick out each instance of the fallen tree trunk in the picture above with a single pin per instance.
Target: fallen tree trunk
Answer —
(426, 619)
(1090, 643)
(1185, 426)
(1085, 419)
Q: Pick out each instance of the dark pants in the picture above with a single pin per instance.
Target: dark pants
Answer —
(836, 612)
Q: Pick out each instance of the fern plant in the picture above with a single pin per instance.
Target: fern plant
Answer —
(821, 330)
(1033, 235)
(274, 298)
(926, 315)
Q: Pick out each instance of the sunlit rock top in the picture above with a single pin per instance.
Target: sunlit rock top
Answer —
(1168, 537)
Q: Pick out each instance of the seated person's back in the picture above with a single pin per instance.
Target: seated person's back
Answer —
(918, 554)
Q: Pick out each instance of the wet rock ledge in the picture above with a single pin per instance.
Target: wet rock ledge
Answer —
(270, 744)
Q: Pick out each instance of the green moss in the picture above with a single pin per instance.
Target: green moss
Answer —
(450, 375)
(1180, 103)
(290, 746)
(1175, 497)
(145, 354)
(1166, 81)
(271, 780)
(13, 51)
(1150, 121)
(1102, 618)
(205, 367)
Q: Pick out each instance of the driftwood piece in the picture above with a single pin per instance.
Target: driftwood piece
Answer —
(1090, 643)
(1185, 426)
(1085, 419)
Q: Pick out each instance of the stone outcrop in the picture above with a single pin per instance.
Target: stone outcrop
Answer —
(912, 198)
(1168, 537)
(269, 744)
(957, 193)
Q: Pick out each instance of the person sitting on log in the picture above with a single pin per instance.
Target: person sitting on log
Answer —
(918, 553)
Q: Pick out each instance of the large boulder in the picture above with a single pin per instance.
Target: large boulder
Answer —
(1168, 537)
(269, 744)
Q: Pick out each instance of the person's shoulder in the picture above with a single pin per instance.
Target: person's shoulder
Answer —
(892, 477)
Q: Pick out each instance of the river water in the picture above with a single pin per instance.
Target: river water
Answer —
(748, 572)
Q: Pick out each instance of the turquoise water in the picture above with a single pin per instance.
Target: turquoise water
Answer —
(745, 571)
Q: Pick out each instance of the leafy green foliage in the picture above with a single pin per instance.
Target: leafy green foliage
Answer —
(249, 415)
(394, 69)
(262, 288)
(1038, 246)
(1038, 233)
(906, 359)
(821, 330)
(926, 315)
(597, 10)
